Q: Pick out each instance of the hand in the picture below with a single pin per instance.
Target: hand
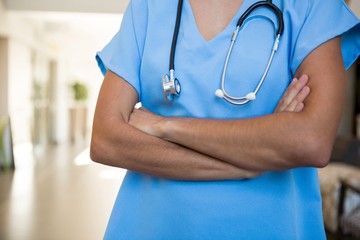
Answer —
(294, 96)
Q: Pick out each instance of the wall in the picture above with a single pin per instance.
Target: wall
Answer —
(4, 110)
(3, 66)
(20, 90)
(75, 38)
(68, 42)
(18, 39)
(94, 6)
(2, 17)
(348, 118)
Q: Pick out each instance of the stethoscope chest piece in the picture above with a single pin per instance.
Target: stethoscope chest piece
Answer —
(171, 87)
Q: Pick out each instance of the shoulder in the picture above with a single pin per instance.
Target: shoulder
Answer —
(305, 7)
(295, 8)
(143, 9)
(151, 4)
(311, 12)
(138, 6)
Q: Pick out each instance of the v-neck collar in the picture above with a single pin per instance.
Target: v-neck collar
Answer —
(191, 31)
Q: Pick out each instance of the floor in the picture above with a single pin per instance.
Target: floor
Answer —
(56, 193)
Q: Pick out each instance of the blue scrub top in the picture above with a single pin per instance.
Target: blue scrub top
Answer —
(276, 205)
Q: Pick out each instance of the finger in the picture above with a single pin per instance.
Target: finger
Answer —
(295, 89)
(299, 107)
(300, 98)
(282, 105)
(292, 91)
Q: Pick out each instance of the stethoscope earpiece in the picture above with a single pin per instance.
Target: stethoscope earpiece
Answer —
(219, 93)
(249, 97)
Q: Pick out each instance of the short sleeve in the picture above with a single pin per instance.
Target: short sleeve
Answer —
(324, 20)
(122, 55)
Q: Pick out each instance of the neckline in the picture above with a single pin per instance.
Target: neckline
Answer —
(194, 29)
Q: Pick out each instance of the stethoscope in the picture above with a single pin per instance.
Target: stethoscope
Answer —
(171, 85)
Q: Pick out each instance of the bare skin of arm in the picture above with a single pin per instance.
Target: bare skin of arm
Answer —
(277, 141)
(116, 143)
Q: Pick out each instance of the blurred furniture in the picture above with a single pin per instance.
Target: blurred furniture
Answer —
(350, 223)
(346, 150)
(78, 122)
(337, 181)
(330, 179)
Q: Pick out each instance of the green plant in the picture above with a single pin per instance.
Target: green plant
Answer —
(80, 91)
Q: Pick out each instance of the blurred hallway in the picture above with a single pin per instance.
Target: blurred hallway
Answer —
(60, 195)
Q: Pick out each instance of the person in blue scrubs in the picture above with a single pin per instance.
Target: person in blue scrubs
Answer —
(200, 167)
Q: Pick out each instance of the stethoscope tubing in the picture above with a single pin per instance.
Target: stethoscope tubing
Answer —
(244, 100)
(175, 36)
(171, 85)
(268, 4)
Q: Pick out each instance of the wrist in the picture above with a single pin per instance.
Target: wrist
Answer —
(165, 127)
(158, 128)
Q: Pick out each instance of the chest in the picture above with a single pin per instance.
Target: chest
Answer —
(212, 17)
(199, 65)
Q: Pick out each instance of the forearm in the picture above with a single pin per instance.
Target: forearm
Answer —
(126, 147)
(115, 142)
(273, 142)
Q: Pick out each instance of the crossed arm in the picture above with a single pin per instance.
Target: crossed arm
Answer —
(185, 148)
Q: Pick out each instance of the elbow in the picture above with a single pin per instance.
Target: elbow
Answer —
(95, 151)
(105, 150)
(323, 158)
(319, 158)
(100, 151)
(316, 151)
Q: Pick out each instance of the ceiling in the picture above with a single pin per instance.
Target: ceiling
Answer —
(93, 6)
